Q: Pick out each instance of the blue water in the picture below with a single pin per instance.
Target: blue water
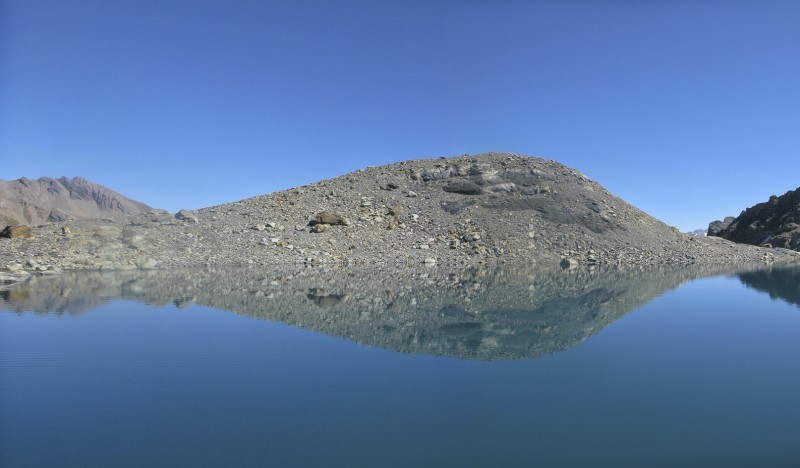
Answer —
(704, 375)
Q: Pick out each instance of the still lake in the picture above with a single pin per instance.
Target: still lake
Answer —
(406, 367)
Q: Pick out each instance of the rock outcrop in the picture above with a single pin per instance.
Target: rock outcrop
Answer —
(774, 223)
(33, 202)
(528, 210)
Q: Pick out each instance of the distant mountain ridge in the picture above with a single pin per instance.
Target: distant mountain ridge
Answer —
(33, 202)
(774, 223)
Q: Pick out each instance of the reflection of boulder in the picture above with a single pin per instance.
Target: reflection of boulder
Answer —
(779, 283)
(502, 313)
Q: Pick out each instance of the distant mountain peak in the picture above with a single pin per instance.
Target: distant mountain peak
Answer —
(33, 202)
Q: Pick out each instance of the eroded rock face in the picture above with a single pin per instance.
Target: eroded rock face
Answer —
(774, 223)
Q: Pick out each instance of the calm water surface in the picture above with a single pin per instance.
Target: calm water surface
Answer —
(663, 368)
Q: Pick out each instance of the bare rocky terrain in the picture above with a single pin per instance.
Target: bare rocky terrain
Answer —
(470, 209)
(774, 223)
(33, 202)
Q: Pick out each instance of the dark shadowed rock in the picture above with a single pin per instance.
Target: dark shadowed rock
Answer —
(774, 223)
(715, 227)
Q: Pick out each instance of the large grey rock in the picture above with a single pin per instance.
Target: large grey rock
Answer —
(186, 215)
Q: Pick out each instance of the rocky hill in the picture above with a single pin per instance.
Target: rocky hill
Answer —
(774, 223)
(33, 202)
(494, 207)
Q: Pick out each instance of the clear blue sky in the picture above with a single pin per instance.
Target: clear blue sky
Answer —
(689, 110)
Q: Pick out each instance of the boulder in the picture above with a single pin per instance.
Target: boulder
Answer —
(17, 232)
(186, 215)
(329, 218)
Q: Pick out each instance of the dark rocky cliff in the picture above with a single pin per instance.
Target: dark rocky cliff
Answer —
(774, 223)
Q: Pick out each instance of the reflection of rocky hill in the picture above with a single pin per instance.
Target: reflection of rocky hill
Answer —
(779, 283)
(475, 313)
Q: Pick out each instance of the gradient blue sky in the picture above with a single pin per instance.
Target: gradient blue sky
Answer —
(689, 110)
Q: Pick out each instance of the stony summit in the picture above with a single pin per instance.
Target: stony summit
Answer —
(470, 209)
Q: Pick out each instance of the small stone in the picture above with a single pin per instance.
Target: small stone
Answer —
(568, 263)
(260, 227)
(470, 237)
(412, 194)
(318, 228)
(429, 261)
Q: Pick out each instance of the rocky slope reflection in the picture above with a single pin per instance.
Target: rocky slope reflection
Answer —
(778, 282)
(501, 313)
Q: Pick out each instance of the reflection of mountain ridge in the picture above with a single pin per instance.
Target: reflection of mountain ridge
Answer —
(780, 282)
(500, 313)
